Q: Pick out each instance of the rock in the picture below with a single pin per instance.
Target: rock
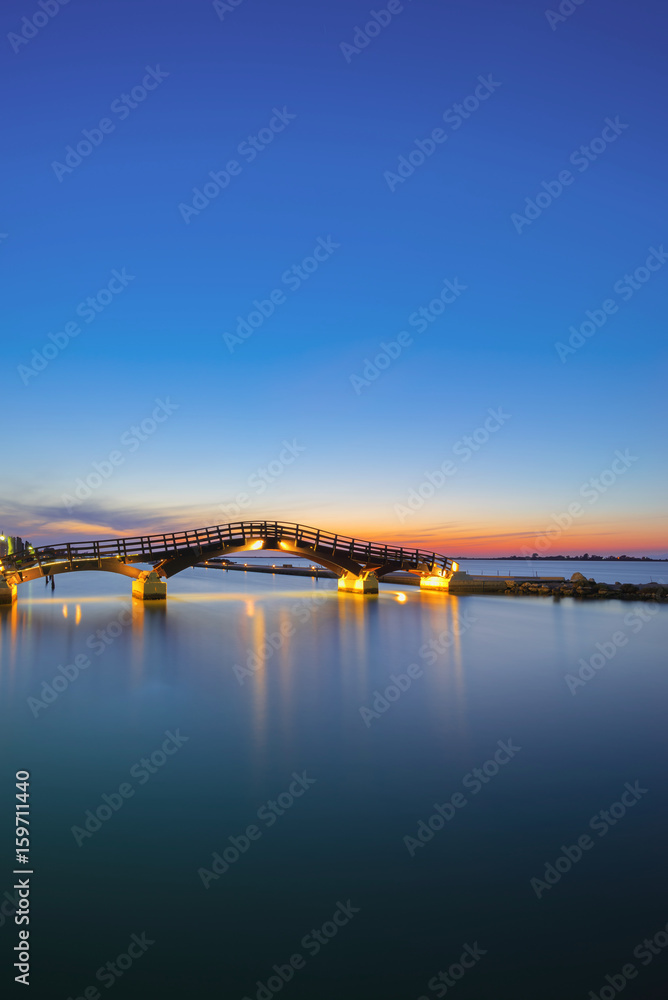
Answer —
(578, 578)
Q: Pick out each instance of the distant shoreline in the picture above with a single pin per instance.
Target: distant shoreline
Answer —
(562, 558)
(605, 559)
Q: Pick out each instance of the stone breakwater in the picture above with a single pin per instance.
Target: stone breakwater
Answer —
(588, 589)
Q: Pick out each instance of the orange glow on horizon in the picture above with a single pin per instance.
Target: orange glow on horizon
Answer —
(455, 534)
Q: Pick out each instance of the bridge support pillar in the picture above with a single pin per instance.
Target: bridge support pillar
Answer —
(366, 583)
(441, 582)
(149, 587)
(7, 592)
(441, 579)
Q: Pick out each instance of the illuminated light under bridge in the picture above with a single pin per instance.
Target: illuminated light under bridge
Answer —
(358, 564)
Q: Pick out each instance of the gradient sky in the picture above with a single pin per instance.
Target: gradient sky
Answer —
(162, 337)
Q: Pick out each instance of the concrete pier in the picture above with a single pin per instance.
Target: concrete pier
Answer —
(366, 583)
(440, 583)
(149, 587)
(464, 583)
(7, 592)
(461, 582)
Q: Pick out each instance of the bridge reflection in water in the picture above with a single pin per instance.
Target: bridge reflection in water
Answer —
(358, 564)
(287, 645)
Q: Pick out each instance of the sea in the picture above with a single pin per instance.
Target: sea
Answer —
(262, 787)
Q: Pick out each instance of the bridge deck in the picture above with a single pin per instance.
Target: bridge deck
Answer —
(173, 551)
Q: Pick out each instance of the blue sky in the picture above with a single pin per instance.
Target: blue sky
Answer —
(362, 449)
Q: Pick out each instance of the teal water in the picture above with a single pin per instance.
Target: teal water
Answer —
(260, 678)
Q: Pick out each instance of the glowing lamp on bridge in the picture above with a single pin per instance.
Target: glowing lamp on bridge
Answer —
(455, 567)
(257, 545)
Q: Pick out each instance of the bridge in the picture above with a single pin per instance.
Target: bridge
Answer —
(358, 564)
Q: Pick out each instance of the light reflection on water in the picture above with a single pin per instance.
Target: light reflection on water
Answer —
(314, 657)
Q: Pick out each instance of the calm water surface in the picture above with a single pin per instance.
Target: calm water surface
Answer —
(262, 678)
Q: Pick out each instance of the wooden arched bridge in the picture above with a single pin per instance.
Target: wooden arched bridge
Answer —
(358, 564)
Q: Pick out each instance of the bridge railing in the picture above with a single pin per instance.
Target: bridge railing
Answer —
(152, 548)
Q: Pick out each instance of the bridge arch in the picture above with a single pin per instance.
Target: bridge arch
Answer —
(177, 563)
(355, 562)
